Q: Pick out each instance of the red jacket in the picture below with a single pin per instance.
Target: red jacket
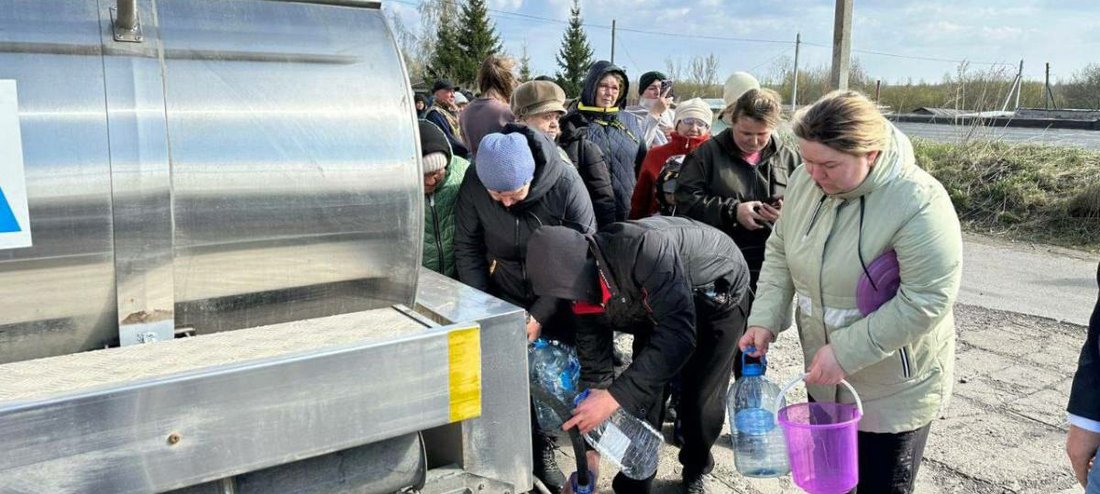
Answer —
(644, 201)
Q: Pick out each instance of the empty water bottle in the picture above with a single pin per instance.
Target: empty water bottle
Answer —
(627, 441)
(759, 447)
(553, 371)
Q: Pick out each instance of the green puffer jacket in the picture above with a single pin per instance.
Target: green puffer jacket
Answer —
(439, 220)
(900, 358)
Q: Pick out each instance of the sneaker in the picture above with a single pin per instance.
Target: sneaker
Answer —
(547, 470)
(695, 484)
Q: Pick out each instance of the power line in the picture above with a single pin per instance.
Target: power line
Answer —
(530, 17)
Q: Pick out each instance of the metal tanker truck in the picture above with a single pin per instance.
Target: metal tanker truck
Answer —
(210, 228)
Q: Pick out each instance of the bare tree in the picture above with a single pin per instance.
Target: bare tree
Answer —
(409, 45)
(674, 69)
(710, 71)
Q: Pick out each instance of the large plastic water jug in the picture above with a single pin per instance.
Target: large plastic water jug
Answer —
(759, 447)
(627, 441)
(553, 370)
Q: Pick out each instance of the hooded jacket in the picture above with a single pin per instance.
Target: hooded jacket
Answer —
(715, 179)
(587, 157)
(439, 217)
(616, 132)
(491, 240)
(1084, 397)
(654, 268)
(644, 201)
(900, 358)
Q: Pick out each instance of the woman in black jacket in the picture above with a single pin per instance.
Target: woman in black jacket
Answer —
(519, 183)
(735, 181)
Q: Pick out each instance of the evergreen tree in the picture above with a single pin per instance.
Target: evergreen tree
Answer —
(440, 16)
(525, 65)
(477, 40)
(575, 55)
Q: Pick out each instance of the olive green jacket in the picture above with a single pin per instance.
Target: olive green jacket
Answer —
(900, 358)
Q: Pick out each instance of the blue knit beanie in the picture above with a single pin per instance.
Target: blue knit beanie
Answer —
(504, 162)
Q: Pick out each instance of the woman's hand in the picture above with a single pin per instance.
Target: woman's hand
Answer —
(748, 216)
(824, 369)
(593, 411)
(758, 337)
(534, 329)
(768, 212)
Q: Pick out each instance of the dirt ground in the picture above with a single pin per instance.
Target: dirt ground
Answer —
(1003, 431)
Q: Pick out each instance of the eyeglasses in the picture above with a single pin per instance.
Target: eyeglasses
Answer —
(695, 122)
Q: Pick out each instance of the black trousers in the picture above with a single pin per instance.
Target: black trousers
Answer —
(705, 382)
(888, 463)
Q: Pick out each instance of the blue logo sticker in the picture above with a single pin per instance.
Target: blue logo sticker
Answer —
(7, 217)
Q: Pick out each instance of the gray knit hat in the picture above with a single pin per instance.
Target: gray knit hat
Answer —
(504, 162)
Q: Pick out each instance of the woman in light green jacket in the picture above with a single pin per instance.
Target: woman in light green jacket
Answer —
(858, 195)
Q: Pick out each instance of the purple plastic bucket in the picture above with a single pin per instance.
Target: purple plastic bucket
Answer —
(822, 443)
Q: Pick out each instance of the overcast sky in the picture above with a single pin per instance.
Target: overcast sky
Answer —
(1065, 33)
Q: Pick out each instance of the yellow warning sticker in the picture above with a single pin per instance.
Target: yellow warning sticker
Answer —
(464, 346)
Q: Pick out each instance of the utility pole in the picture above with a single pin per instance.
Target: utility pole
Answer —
(794, 85)
(1015, 87)
(842, 44)
(1048, 100)
(1019, 85)
(612, 41)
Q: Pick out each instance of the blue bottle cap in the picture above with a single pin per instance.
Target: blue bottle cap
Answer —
(755, 368)
(577, 401)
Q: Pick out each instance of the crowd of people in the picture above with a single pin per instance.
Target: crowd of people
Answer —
(598, 217)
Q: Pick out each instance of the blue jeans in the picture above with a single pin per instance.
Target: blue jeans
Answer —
(1093, 486)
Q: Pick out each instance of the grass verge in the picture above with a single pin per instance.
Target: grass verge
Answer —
(1022, 191)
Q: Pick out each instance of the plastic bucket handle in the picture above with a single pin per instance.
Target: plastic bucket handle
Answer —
(799, 378)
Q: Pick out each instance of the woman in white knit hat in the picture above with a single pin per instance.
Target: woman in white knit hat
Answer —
(692, 129)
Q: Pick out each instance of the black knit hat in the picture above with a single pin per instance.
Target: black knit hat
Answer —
(433, 140)
(559, 266)
(648, 78)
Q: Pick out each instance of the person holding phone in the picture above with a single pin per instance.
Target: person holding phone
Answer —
(735, 181)
(654, 108)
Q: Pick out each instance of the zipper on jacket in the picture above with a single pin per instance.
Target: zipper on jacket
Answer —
(906, 371)
(438, 238)
(515, 238)
(813, 219)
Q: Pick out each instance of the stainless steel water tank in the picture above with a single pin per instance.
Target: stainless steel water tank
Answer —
(225, 164)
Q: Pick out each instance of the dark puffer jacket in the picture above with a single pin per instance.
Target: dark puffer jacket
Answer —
(616, 132)
(654, 268)
(1084, 398)
(715, 179)
(588, 159)
(491, 240)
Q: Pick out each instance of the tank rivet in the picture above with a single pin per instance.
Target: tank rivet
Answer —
(174, 438)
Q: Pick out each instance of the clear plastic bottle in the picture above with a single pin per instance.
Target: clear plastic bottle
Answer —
(554, 369)
(759, 446)
(627, 441)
